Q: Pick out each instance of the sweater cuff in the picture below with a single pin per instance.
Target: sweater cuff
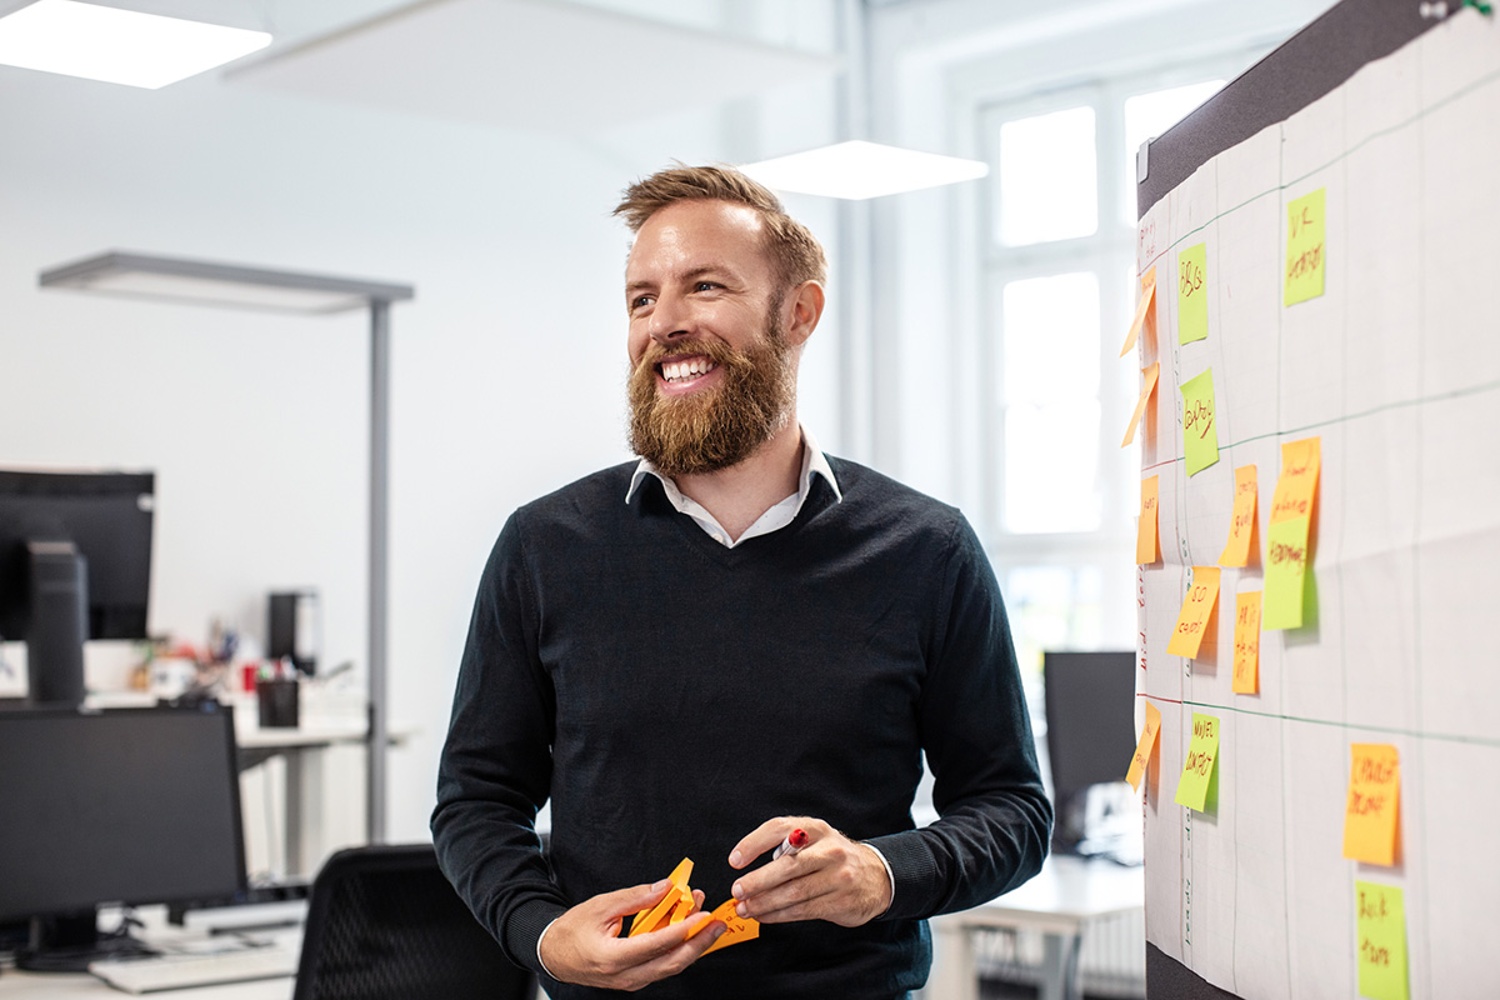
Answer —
(523, 932)
(913, 874)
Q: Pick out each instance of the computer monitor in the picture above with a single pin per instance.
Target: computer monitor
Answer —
(127, 806)
(75, 564)
(1090, 698)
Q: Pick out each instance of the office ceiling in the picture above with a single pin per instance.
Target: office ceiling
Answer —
(559, 66)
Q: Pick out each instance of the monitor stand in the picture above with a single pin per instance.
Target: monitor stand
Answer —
(69, 942)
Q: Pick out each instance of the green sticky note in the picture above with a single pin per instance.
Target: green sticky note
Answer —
(1286, 573)
(1381, 925)
(1198, 769)
(1305, 254)
(1200, 435)
(1192, 294)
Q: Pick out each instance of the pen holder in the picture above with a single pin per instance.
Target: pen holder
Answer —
(278, 703)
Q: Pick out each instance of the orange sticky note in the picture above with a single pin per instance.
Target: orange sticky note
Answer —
(1148, 295)
(1197, 607)
(1247, 643)
(739, 928)
(1146, 547)
(1374, 807)
(1144, 747)
(1242, 522)
(1297, 486)
(651, 917)
(1151, 374)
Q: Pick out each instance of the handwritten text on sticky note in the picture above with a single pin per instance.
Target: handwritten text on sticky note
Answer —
(1197, 608)
(1380, 922)
(1297, 486)
(1306, 257)
(1198, 769)
(1146, 540)
(1192, 294)
(1247, 643)
(1374, 806)
(1200, 436)
(1242, 519)
(1142, 758)
(1286, 574)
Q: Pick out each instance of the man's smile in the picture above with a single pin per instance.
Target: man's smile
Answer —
(683, 372)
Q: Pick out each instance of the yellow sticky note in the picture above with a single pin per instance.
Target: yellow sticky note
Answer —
(1148, 296)
(1286, 574)
(1381, 927)
(1297, 486)
(1197, 608)
(1192, 294)
(1242, 521)
(1306, 258)
(1200, 436)
(739, 928)
(1143, 749)
(1198, 770)
(1146, 542)
(1150, 374)
(1372, 814)
(1247, 643)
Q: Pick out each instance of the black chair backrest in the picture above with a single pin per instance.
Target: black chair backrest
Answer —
(383, 923)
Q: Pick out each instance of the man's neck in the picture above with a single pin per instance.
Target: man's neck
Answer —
(739, 495)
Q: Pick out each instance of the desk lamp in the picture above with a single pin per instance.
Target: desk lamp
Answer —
(143, 276)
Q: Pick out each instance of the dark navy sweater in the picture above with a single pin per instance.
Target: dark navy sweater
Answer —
(669, 694)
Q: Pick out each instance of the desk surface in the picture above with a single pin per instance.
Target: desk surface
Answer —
(1066, 894)
(37, 986)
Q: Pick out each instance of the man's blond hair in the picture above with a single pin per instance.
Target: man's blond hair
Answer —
(795, 253)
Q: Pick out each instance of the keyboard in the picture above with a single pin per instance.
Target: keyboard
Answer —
(173, 972)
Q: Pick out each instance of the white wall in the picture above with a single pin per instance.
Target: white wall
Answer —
(508, 366)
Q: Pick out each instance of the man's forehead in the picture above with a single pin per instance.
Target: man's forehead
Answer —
(697, 234)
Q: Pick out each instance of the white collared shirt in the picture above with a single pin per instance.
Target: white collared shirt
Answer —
(778, 516)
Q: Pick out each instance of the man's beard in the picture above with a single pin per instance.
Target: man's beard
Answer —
(714, 429)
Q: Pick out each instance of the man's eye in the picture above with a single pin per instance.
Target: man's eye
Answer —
(706, 286)
(640, 301)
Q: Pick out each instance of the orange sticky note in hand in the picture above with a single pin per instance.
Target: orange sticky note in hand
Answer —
(1372, 813)
(1146, 540)
(738, 928)
(1242, 521)
(1144, 747)
(1150, 374)
(652, 917)
(1197, 608)
(1148, 295)
(1247, 643)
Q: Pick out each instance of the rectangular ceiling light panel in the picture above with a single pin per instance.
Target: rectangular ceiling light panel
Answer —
(858, 170)
(118, 46)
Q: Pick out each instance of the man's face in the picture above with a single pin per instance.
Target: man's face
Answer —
(712, 377)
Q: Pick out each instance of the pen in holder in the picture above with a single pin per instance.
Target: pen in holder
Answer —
(278, 702)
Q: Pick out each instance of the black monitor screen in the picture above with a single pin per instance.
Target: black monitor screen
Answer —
(1090, 701)
(107, 517)
(126, 806)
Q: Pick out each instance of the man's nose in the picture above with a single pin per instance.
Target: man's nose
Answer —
(670, 319)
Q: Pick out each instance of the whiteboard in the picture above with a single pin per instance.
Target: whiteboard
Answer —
(1396, 368)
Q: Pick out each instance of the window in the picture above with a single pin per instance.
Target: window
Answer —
(1060, 286)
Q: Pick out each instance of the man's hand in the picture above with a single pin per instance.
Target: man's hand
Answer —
(584, 946)
(833, 878)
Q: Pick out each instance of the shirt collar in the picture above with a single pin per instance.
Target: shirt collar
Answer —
(813, 461)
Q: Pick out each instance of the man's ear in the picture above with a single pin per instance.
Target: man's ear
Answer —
(805, 308)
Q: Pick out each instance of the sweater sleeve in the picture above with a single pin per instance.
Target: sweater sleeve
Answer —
(496, 766)
(995, 819)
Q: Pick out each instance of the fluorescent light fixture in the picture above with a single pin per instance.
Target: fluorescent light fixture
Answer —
(142, 276)
(858, 170)
(118, 46)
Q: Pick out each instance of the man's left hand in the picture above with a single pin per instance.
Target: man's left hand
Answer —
(833, 878)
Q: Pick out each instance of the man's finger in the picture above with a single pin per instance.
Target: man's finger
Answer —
(766, 837)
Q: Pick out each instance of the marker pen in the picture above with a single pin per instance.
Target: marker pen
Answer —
(794, 842)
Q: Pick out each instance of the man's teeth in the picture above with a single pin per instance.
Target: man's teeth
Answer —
(676, 371)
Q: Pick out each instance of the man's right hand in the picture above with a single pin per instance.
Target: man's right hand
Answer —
(584, 946)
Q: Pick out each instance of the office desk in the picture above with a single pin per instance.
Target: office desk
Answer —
(36, 986)
(1060, 903)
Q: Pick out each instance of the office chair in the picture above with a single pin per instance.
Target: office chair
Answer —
(383, 923)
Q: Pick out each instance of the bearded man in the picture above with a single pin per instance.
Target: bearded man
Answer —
(733, 638)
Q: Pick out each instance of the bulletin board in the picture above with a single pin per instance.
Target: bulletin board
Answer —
(1326, 310)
